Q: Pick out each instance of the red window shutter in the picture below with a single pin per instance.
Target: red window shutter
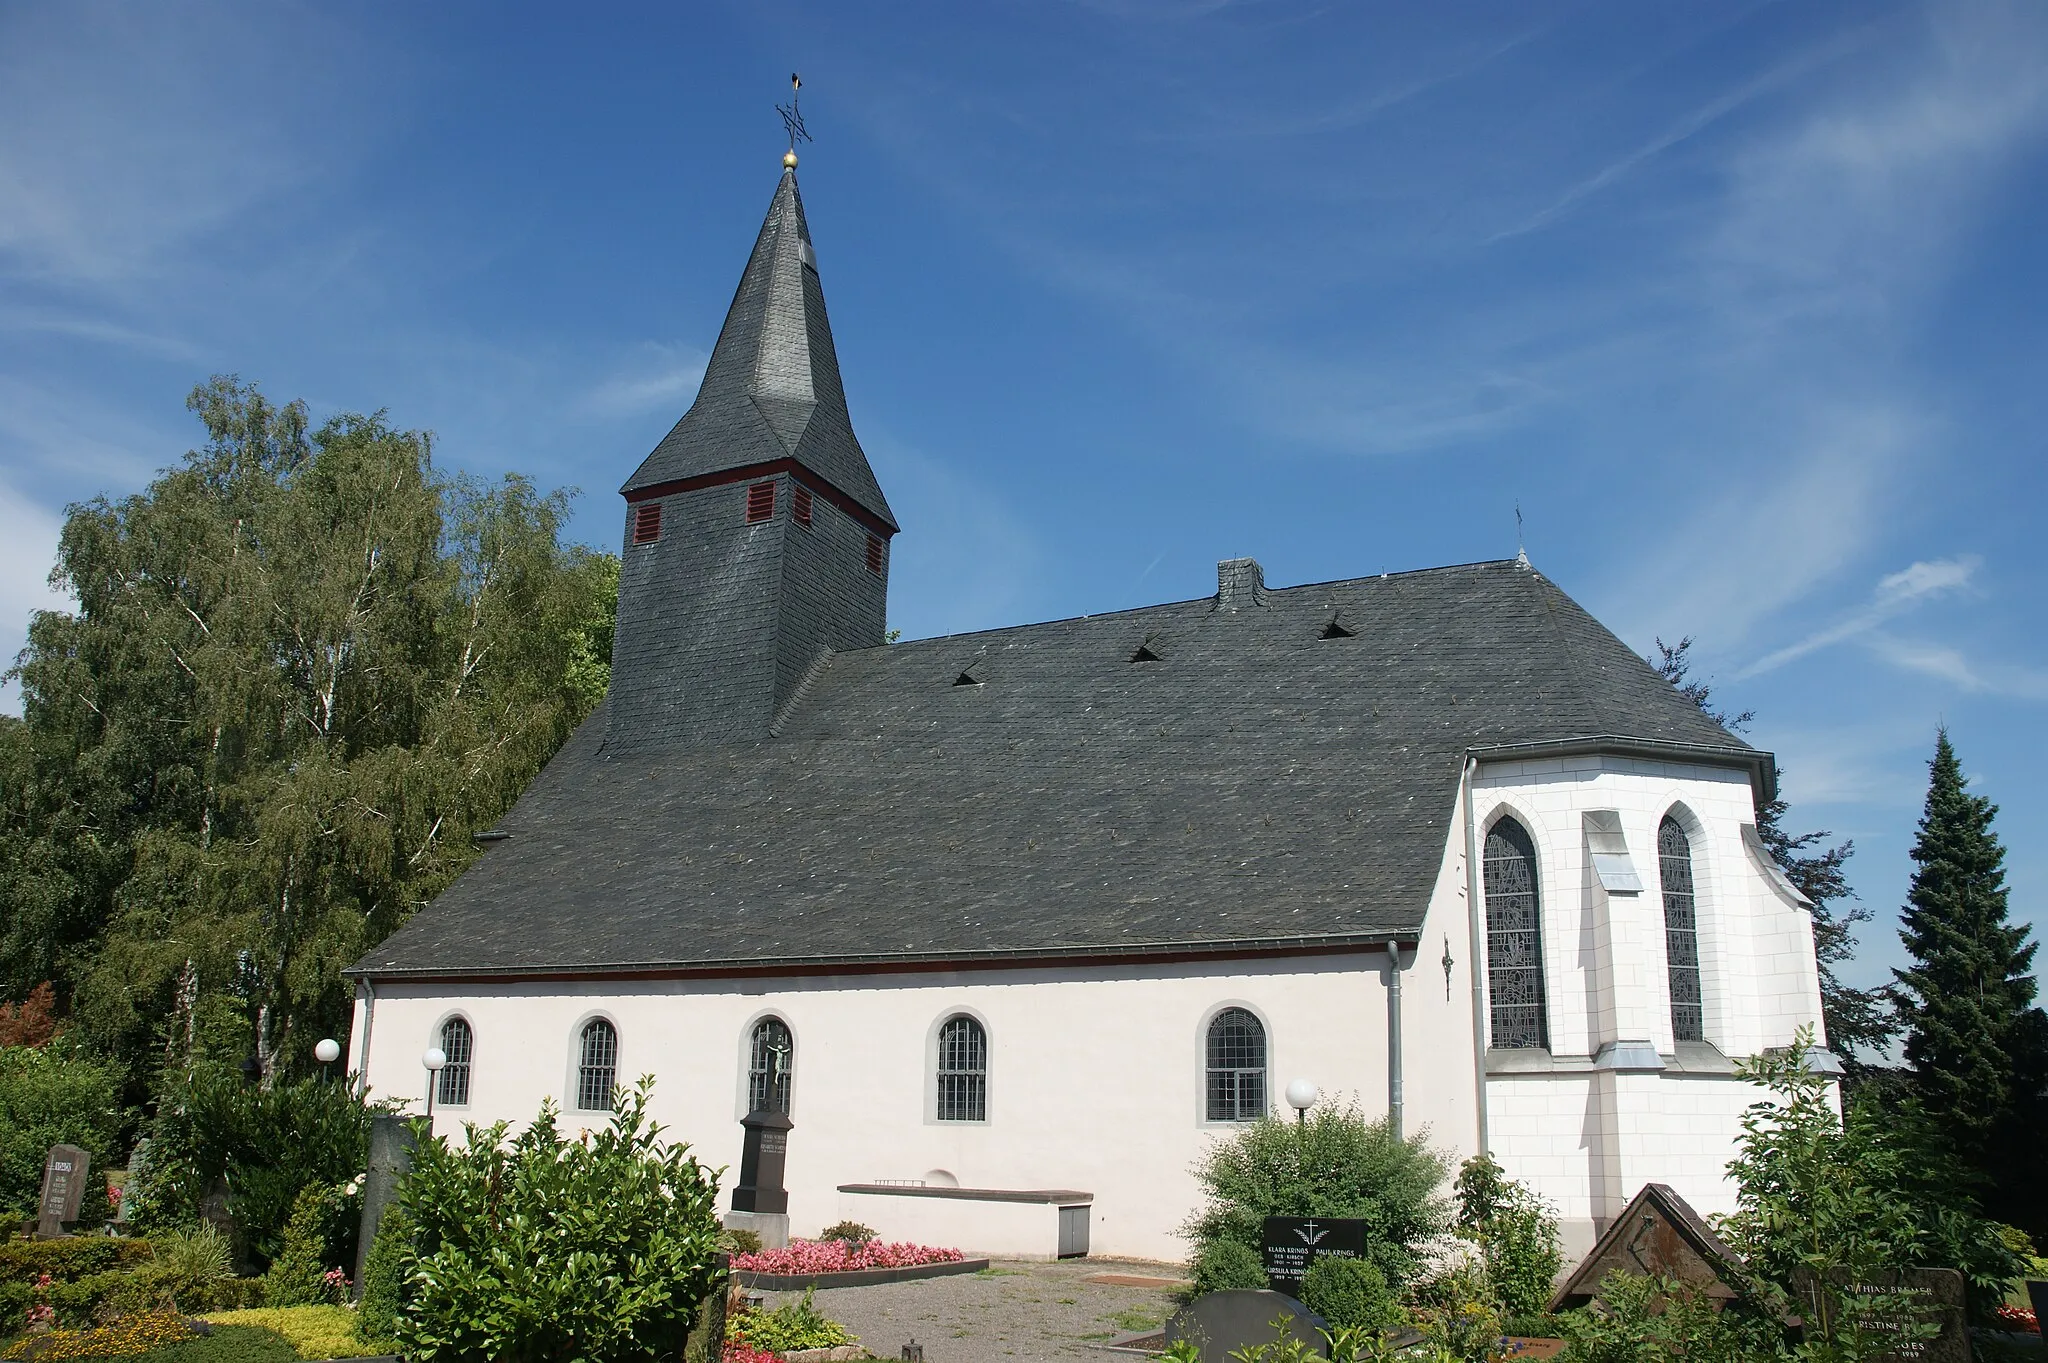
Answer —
(800, 504)
(647, 522)
(760, 502)
(875, 554)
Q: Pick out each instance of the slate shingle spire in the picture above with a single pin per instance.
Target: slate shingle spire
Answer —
(771, 390)
(756, 535)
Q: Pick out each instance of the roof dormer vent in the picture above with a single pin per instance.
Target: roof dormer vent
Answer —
(1147, 652)
(1337, 629)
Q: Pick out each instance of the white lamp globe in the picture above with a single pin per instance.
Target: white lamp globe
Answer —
(434, 1059)
(1302, 1095)
(327, 1050)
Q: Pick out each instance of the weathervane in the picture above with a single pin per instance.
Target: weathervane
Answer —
(793, 119)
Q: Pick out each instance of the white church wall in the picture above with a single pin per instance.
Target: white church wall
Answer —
(1096, 1073)
(1588, 1139)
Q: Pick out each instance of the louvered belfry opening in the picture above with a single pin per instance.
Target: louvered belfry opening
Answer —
(647, 522)
(1514, 939)
(1681, 932)
(760, 503)
(875, 548)
(800, 504)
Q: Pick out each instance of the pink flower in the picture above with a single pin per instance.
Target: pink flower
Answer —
(838, 1256)
(739, 1351)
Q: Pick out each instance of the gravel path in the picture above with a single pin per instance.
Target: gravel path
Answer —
(1010, 1310)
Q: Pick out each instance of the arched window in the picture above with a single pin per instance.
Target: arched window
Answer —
(1514, 938)
(1237, 1067)
(963, 1071)
(455, 1044)
(597, 1069)
(1681, 932)
(768, 1066)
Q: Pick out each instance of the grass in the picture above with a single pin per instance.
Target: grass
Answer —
(998, 1273)
(313, 1331)
(1137, 1318)
(227, 1344)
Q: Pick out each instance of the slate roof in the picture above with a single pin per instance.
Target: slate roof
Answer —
(771, 388)
(1258, 786)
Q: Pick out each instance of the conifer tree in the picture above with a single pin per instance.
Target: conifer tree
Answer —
(1974, 1038)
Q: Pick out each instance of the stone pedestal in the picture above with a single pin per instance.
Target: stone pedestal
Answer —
(772, 1227)
(761, 1161)
(391, 1143)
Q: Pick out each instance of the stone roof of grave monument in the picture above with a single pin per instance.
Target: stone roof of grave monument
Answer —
(1281, 774)
(771, 391)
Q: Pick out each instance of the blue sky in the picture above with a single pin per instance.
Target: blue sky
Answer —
(1739, 303)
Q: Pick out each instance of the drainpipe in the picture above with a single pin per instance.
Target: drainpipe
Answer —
(1476, 930)
(369, 1016)
(1394, 1037)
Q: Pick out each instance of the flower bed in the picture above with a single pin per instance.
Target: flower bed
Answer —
(2016, 1318)
(808, 1257)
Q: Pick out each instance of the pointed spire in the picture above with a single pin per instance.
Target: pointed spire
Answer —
(771, 390)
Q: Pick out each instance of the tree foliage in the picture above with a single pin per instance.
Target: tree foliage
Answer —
(1516, 1232)
(1976, 1041)
(1859, 1022)
(305, 665)
(51, 1095)
(1333, 1163)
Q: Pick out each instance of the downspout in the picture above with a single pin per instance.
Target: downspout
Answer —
(1476, 930)
(369, 1017)
(1394, 1095)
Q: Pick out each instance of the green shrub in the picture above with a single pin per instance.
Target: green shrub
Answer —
(795, 1324)
(1351, 1294)
(77, 1301)
(266, 1144)
(23, 1260)
(851, 1232)
(736, 1240)
(312, 1331)
(598, 1248)
(1333, 1163)
(1223, 1265)
(1459, 1312)
(54, 1095)
(1652, 1320)
(226, 1344)
(297, 1276)
(186, 1268)
(383, 1285)
(1515, 1232)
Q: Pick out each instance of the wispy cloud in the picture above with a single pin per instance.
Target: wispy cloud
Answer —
(1950, 664)
(28, 548)
(656, 377)
(1894, 595)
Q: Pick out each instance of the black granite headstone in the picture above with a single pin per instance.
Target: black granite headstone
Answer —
(2037, 1293)
(761, 1160)
(1292, 1243)
(1218, 1322)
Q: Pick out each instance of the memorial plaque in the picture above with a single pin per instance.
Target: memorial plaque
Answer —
(64, 1179)
(1292, 1243)
(1933, 1296)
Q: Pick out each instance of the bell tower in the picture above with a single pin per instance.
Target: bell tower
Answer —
(756, 536)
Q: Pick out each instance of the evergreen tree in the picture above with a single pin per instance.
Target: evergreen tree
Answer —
(1974, 1037)
(1859, 1022)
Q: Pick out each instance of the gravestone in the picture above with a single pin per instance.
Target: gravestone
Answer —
(2037, 1293)
(64, 1176)
(1657, 1235)
(1218, 1322)
(1932, 1295)
(391, 1145)
(761, 1161)
(1291, 1244)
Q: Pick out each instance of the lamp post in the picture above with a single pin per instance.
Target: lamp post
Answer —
(435, 1060)
(1301, 1096)
(326, 1050)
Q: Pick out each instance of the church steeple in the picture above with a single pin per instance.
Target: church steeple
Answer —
(757, 539)
(771, 390)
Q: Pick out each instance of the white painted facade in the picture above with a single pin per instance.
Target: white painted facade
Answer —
(1096, 1070)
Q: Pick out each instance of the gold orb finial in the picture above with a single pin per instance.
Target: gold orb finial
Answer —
(789, 159)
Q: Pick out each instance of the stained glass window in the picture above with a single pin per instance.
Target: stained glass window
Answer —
(1514, 938)
(768, 1069)
(1681, 932)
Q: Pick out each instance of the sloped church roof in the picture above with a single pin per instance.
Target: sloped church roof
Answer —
(1258, 770)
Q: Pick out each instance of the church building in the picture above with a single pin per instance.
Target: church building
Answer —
(1013, 925)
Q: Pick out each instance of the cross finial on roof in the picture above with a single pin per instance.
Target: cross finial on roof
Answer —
(793, 119)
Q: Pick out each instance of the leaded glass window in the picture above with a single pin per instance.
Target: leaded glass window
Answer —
(597, 1068)
(1514, 938)
(963, 1071)
(1681, 932)
(769, 1066)
(456, 1040)
(1237, 1067)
